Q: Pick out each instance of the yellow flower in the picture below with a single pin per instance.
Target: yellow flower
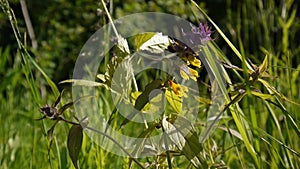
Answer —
(187, 72)
(178, 89)
(194, 61)
(193, 74)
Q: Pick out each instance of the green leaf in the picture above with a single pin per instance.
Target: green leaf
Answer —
(261, 95)
(231, 131)
(272, 90)
(140, 143)
(101, 77)
(152, 42)
(123, 45)
(263, 66)
(174, 101)
(65, 107)
(142, 38)
(143, 99)
(203, 100)
(154, 103)
(77, 82)
(183, 135)
(74, 143)
(175, 136)
(219, 73)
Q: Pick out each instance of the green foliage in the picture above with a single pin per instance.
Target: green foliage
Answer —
(256, 127)
(74, 143)
(143, 99)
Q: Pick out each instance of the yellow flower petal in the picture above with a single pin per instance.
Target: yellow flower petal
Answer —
(178, 89)
(184, 75)
(193, 74)
(187, 73)
(194, 61)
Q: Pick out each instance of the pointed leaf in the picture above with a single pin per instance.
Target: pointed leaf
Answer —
(140, 143)
(143, 99)
(65, 107)
(174, 101)
(123, 45)
(231, 131)
(152, 42)
(101, 77)
(238, 97)
(58, 99)
(142, 38)
(175, 136)
(272, 90)
(261, 95)
(183, 135)
(80, 82)
(74, 143)
(203, 100)
(263, 66)
(40, 118)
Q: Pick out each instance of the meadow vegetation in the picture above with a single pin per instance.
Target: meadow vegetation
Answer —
(254, 43)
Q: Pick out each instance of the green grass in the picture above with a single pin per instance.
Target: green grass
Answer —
(254, 132)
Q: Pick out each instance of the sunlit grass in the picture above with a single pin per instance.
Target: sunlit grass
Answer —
(255, 133)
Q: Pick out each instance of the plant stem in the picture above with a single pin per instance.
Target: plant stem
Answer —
(114, 141)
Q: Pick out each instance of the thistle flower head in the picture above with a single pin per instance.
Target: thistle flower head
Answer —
(198, 35)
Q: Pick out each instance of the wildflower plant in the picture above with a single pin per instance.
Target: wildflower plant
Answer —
(154, 88)
(164, 108)
(164, 112)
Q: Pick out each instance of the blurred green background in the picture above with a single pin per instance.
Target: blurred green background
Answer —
(61, 27)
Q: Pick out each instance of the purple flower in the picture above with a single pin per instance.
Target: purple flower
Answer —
(198, 35)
